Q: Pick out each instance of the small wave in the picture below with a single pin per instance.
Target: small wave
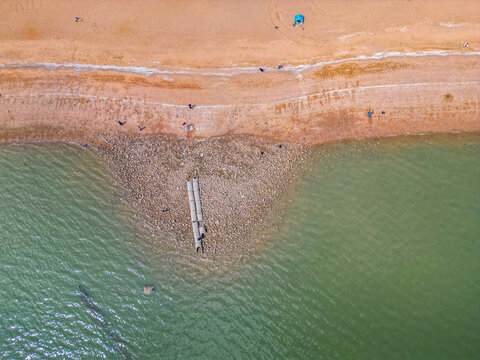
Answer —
(232, 71)
(450, 24)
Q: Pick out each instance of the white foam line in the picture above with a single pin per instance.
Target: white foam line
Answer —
(350, 35)
(223, 106)
(141, 70)
(450, 24)
(226, 72)
(379, 56)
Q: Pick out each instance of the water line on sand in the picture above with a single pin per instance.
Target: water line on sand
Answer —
(223, 106)
(232, 71)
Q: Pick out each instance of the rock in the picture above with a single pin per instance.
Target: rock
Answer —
(151, 174)
(148, 289)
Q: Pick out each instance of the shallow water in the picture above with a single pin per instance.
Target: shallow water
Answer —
(378, 257)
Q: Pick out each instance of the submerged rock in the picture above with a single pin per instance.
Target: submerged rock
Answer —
(148, 289)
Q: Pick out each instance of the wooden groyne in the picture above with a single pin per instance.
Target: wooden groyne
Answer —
(193, 216)
(196, 194)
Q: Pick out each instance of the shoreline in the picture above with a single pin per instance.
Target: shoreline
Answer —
(244, 194)
(407, 96)
(129, 71)
(241, 190)
(233, 71)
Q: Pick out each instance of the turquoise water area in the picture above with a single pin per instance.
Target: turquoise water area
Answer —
(378, 257)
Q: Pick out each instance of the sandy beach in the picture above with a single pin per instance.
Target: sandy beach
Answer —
(128, 70)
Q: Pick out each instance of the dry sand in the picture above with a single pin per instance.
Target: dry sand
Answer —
(142, 62)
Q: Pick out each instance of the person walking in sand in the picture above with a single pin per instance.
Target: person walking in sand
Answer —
(77, 19)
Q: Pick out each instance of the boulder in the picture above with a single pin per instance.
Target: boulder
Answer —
(148, 289)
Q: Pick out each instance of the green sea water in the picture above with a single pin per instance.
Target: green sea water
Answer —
(377, 257)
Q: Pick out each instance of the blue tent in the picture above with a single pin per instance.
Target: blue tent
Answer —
(299, 19)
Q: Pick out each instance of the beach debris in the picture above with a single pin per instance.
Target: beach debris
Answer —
(196, 194)
(122, 123)
(261, 69)
(142, 127)
(148, 289)
(78, 19)
(276, 26)
(279, 66)
(448, 97)
(299, 19)
(103, 137)
(195, 211)
(164, 210)
(370, 113)
(190, 106)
